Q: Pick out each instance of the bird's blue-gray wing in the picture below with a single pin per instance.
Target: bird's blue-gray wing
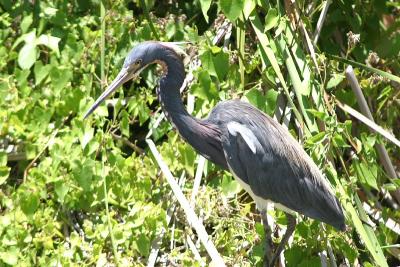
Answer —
(263, 155)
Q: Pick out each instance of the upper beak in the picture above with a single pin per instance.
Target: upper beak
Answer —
(123, 76)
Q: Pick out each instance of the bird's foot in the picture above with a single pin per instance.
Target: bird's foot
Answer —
(270, 258)
(269, 245)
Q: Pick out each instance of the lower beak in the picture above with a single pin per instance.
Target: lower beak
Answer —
(121, 78)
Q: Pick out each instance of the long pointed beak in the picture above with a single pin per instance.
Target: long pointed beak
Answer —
(121, 78)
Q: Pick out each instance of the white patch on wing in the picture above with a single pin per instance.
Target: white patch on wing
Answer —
(248, 136)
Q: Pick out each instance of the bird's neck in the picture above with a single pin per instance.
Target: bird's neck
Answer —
(200, 134)
(172, 105)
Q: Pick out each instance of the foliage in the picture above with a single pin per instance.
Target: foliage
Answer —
(88, 192)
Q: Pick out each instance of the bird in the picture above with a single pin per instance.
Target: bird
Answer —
(261, 154)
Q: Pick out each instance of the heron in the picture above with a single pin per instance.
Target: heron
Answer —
(260, 153)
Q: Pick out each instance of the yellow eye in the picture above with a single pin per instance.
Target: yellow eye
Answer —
(138, 62)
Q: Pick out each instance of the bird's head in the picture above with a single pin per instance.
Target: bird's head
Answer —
(136, 61)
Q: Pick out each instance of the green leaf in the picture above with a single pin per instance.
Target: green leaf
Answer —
(143, 245)
(4, 174)
(205, 89)
(26, 22)
(83, 174)
(335, 80)
(231, 8)
(230, 187)
(268, 55)
(29, 38)
(255, 98)
(364, 231)
(50, 11)
(215, 61)
(205, 6)
(316, 139)
(271, 20)
(61, 189)
(318, 114)
(271, 97)
(41, 71)
(124, 124)
(9, 257)
(389, 187)
(249, 6)
(27, 56)
(367, 174)
(49, 41)
(396, 182)
(339, 141)
(60, 76)
(3, 158)
(85, 135)
(189, 157)
(29, 202)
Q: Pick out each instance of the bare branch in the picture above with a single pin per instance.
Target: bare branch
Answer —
(128, 143)
(189, 212)
(197, 179)
(321, 21)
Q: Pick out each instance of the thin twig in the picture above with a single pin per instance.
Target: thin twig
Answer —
(197, 179)
(50, 141)
(321, 21)
(189, 212)
(292, 8)
(128, 143)
(194, 250)
(156, 244)
(389, 223)
(383, 154)
(332, 258)
(323, 258)
(109, 224)
(371, 124)
(222, 31)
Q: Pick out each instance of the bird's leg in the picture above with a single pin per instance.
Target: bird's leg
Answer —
(268, 239)
(289, 231)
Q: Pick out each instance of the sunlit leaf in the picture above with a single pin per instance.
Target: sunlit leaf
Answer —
(29, 202)
(41, 71)
(271, 20)
(61, 190)
(231, 8)
(9, 257)
(205, 6)
(230, 187)
(27, 56)
(26, 22)
(249, 6)
(4, 173)
(49, 41)
(335, 80)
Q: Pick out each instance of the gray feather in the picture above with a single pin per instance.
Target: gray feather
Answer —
(280, 170)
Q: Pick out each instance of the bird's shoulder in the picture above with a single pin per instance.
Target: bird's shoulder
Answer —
(232, 110)
(239, 118)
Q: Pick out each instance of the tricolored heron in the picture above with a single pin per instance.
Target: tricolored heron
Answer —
(262, 155)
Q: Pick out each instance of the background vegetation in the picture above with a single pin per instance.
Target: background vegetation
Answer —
(86, 193)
